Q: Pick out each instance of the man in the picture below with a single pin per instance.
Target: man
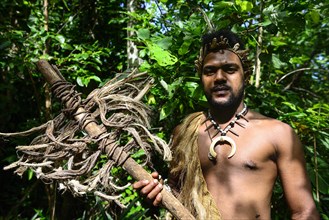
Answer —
(226, 160)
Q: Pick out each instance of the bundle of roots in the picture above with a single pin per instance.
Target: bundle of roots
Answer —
(65, 153)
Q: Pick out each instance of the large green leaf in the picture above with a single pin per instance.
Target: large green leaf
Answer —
(163, 57)
(143, 33)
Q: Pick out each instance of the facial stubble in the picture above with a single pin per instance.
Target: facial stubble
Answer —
(233, 101)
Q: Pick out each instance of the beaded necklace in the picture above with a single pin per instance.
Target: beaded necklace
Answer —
(223, 138)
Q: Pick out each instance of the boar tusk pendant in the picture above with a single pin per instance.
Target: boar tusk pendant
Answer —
(212, 153)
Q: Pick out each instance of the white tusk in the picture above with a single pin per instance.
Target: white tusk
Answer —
(212, 153)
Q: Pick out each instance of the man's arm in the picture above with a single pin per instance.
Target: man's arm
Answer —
(292, 171)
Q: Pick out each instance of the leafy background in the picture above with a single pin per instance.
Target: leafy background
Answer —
(87, 40)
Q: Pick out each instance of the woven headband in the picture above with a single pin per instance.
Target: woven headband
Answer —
(222, 44)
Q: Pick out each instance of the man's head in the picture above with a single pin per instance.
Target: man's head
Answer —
(224, 40)
(223, 68)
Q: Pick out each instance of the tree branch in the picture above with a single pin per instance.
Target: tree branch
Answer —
(259, 48)
(305, 90)
(290, 73)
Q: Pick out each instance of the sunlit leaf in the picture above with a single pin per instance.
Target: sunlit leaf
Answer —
(164, 43)
(223, 4)
(144, 34)
(277, 63)
(314, 15)
(163, 57)
(244, 5)
(79, 81)
(290, 105)
(60, 38)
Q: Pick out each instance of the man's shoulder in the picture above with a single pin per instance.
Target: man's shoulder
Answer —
(277, 132)
(264, 121)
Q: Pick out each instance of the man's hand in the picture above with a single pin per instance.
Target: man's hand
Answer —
(150, 189)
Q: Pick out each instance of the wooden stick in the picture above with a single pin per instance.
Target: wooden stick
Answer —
(130, 165)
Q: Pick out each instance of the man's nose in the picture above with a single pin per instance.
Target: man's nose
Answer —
(220, 75)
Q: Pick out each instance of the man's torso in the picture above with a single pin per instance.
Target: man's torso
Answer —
(242, 185)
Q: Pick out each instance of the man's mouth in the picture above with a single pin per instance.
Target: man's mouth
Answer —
(220, 88)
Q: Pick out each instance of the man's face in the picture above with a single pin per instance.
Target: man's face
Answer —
(223, 79)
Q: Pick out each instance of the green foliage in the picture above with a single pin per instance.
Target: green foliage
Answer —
(38, 215)
(87, 41)
(294, 86)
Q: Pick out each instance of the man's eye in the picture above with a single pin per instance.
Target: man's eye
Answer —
(208, 71)
(230, 69)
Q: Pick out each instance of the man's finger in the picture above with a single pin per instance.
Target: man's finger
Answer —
(155, 191)
(146, 190)
(140, 184)
(157, 200)
(155, 175)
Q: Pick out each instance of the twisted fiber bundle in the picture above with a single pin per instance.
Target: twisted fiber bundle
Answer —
(66, 154)
(186, 168)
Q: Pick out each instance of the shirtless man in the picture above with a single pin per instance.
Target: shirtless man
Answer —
(249, 150)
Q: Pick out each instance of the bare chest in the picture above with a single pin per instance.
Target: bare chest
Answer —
(250, 150)
(241, 179)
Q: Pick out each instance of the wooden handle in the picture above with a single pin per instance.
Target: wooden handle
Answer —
(130, 165)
